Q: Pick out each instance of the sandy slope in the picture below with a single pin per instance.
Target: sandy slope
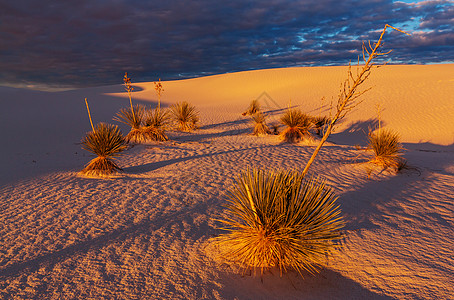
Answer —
(144, 235)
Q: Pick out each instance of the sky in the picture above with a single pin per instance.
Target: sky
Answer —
(81, 43)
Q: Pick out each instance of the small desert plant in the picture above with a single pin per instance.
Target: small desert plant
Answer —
(185, 116)
(133, 117)
(280, 219)
(319, 122)
(106, 141)
(253, 108)
(387, 149)
(260, 127)
(298, 125)
(155, 121)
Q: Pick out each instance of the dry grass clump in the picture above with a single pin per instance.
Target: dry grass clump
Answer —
(387, 149)
(133, 117)
(185, 116)
(106, 141)
(155, 121)
(260, 127)
(298, 126)
(253, 108)
(280, 219)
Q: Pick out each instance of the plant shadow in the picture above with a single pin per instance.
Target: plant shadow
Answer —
(160, 164)
(241, 120)
(199, 137)
(327, 284)
(146, 226)
(356, 133)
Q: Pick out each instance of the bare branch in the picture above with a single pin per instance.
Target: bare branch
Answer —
(349, 91)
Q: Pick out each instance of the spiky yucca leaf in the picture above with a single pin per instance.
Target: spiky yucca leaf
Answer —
(126, 116)
(106, 141)
(155, 122)
(298, 125)
(157, 117)
(185, 115)
(154, 134)
(136, 136)
(280, 219)
(253, 108)
(387, 149)
(260, 127)
(100, 167)
(134, 119)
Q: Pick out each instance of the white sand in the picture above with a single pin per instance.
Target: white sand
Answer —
(144, 235)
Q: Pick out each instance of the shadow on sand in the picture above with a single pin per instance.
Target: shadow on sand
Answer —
(325, 285)
(160, 164)
(356, 133)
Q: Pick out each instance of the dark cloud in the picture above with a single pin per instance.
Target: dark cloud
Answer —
(93, 42)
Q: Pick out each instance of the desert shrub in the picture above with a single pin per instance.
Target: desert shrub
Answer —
(253, 108)
(319, 122)
(298, 125)
(106, 141)
(387, 149)
(260, 127)
(133, 117)
(155, 122)
(185, 116)
(280, 219)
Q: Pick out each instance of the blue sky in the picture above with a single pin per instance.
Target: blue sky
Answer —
(93, 42)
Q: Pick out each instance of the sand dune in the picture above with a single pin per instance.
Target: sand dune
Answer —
(144, 235)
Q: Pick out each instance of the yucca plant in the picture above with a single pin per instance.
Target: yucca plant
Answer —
(298, 125)
(133, 117)
(280, 219)
(106, 141)
(155, 122)
(253, 108)
(260, 127)
(387, 149)
(185, 116)
(319, 122)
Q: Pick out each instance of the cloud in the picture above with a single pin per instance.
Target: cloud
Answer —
(83, 42)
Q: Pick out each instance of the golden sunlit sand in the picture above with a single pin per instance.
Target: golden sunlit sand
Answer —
(144, 234)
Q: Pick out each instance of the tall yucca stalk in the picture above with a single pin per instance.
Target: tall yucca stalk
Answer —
(280, 219)
(259, 121)
(298, 125)
(159, 89)
(387, 149)
(129, 89)
(185, 115)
